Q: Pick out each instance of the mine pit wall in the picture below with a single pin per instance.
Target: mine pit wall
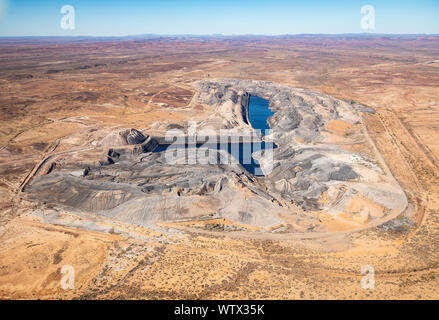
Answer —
(245, 100)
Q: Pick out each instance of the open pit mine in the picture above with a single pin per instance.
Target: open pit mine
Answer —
(324, 173)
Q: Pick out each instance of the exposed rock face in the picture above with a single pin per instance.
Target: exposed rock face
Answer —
(124, 137)
(230, 106)
(130, 140)
(309, 168)
(135, 137)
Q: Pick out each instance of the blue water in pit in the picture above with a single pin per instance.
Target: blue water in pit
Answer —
(240, 151)
(258, 114)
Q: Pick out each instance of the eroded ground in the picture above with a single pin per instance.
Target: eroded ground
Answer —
(62, 102)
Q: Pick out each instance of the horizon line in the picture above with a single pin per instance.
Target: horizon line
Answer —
(220, 35)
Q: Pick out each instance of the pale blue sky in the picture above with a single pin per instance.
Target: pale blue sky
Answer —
(230, 17)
